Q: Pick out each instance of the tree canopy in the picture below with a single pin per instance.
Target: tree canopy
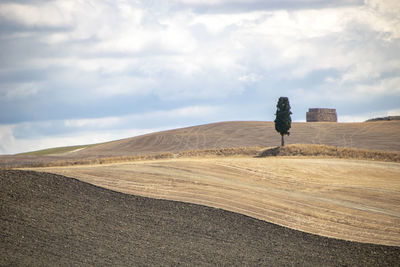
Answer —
(283, 121)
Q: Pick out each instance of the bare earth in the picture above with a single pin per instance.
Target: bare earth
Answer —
(346, 199)
(51, 220)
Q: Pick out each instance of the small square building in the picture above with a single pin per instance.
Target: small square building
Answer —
(321, 115)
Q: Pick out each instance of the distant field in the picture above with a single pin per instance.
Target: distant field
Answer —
(368, 135)
(340, 180)
(55, 151)
(347, 199)
(381, 135)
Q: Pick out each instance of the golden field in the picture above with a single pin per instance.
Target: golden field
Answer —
(338, 180)
(354, 200)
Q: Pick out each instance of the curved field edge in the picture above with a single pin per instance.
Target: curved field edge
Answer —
(48, 219)
(306, 150)
(348, 199)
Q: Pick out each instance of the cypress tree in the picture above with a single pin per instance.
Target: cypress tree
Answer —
(283, 121)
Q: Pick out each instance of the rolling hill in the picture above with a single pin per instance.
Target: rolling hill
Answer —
(356, 200)
(368, 135)
(49, 220)
(380, 135)
(46, 216)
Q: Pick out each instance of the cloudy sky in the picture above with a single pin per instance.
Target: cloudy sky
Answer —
(79, 72)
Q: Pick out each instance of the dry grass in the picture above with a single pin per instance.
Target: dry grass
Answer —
(223, 152)
(91, 161)
(290, 150)
(331, 151)
(347, 199)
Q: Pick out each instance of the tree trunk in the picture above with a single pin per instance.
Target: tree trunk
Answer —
(283, 141)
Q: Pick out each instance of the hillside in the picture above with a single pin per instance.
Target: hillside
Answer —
(388, 118)
(381, 135)
(355, 200)
(48, 220)
(371, 135)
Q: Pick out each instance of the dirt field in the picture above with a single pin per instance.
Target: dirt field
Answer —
(347, 199)
(50, 220)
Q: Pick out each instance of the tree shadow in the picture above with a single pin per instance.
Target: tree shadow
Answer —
(270, 152)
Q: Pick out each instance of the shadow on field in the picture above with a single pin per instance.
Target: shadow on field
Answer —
(49, 219)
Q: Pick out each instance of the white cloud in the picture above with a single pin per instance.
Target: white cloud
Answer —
(125, 85)
(299, 41)
(7, 139)
(19, 90)
(360, 71)
(56, 13)
(191, 111)
(352, 94)
(106, 122)
(368, 115)
(174, 114)
(393, 112)
(252, 77)
(390, 86)
(383, 16)
(357, 118)
(216, 2)
(294, 34)
(178, 53)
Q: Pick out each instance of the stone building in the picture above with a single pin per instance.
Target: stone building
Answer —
(321, 114)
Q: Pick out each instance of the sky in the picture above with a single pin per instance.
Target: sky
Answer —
(82, 72)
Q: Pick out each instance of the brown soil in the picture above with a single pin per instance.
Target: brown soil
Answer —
(48, 219)
(347, 199)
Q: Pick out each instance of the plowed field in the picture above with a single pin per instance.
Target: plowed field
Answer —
(347, 199)
(50, 220)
